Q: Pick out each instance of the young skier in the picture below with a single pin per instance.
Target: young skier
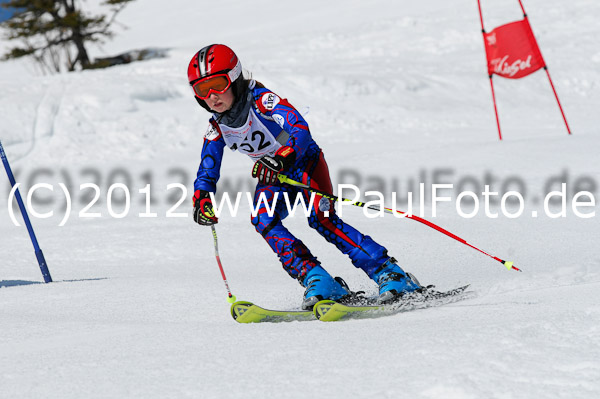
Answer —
(251, 119)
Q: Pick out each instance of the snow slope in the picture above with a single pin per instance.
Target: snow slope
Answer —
(395, 93)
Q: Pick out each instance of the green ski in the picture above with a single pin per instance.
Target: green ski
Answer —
(247, 312)
(333, 311)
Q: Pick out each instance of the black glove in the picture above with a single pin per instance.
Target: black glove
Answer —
(204, 213)
(269, 167)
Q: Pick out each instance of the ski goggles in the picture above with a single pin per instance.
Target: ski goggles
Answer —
(212, 84)
(218, 83)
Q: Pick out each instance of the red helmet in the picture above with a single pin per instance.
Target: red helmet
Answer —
(216, 59)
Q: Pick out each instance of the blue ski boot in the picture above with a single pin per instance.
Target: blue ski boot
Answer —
(320, 285)
(393, 281)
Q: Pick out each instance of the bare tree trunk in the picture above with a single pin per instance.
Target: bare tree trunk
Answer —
(82, 55)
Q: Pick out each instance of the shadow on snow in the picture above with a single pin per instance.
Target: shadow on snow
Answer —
(16, 283)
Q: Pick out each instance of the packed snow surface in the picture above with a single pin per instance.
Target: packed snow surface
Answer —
(396, 93)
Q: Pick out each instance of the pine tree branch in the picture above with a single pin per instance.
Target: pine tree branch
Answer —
(51, 29)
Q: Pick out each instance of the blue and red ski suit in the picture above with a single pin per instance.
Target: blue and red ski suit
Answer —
(267, 122)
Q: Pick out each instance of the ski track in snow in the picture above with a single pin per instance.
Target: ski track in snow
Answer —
(395, 90)
(46, 113)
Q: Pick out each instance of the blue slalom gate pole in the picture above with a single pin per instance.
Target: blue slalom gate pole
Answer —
(38, 252)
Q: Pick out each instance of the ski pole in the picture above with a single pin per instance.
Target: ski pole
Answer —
(287, 180)
(231, 298)
(38, 252)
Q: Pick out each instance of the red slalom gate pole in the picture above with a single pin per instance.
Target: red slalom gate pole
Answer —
(486, 60)
(231, 298)
(495, 107)
(545, 69)
(557, 100)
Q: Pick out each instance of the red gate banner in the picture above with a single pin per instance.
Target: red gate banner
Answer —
(512, 51)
